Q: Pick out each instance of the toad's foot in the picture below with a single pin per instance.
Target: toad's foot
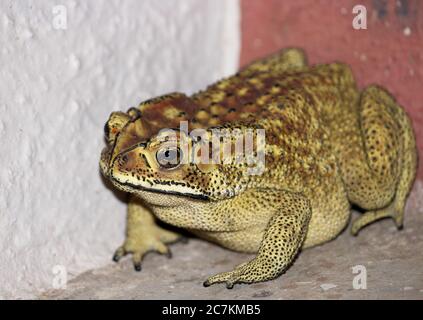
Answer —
(139, 244)
(392, 211)
(238, 275)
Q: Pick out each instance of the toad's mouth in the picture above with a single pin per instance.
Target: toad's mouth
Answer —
(160, 189)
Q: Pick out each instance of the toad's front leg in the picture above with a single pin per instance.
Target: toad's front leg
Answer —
(143, 235)
(282, 240)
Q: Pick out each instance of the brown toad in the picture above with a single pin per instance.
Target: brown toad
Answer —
(327, 146)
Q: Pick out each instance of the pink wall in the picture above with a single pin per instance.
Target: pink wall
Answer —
(389, 52)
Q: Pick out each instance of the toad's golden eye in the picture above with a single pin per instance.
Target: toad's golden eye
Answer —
(168, 157)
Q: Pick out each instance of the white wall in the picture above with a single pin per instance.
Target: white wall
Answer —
(57, 88)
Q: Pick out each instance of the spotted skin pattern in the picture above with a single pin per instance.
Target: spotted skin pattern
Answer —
(328, 145)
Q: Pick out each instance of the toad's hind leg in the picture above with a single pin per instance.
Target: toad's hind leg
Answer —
(391, 156)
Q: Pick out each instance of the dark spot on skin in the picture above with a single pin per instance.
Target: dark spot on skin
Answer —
(145, 160)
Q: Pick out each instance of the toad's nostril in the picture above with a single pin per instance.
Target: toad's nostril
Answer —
(125, 158)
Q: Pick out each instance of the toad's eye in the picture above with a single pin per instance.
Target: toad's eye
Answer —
(168, 157)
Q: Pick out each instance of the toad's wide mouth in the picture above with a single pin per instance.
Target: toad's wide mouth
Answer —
(160, 189)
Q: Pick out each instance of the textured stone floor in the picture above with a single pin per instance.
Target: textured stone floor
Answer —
(393, 261)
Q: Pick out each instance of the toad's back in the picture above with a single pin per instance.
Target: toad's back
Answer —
(249, 93)
(369, 133)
